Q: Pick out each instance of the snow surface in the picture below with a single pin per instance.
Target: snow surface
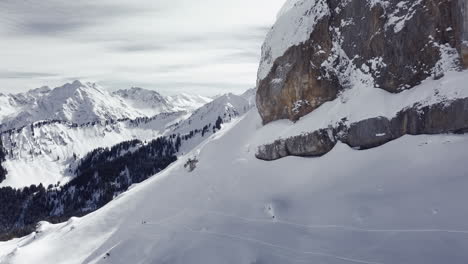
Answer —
(403, 202)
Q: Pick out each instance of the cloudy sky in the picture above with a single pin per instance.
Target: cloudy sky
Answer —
(196, 46)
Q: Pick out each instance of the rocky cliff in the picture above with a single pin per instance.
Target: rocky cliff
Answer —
(319, 48)
(373, 132)
(464, 8)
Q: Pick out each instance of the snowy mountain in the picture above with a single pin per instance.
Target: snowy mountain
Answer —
(152, 103)
(74, 102)
(82, 103)
(43, 151)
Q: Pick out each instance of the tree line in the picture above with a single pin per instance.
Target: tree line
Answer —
(100, 176)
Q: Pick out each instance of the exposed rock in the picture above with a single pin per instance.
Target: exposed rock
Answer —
(392, 45)
(315, 144)
(368, 133)
(464, 48)
(449, 117)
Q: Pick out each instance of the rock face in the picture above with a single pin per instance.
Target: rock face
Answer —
(318, 48)
(314, 144)
(464, 8)
(450, 117)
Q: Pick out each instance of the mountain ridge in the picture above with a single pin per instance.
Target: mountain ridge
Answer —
(82, 103)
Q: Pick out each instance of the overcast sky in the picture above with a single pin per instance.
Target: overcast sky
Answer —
(196, 46)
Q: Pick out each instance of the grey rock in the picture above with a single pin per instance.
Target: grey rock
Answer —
(397, 58)
(368, 133)
(315, 144)
(446, 117)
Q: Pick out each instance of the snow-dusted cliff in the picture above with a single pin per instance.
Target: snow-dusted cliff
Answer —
(317, 49)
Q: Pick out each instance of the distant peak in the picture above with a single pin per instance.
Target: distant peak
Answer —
(77, 83)
(43, 89)
(136, 89)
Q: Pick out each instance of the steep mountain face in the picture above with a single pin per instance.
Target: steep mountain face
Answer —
(464, 8)
(317, 49)
(152, 103)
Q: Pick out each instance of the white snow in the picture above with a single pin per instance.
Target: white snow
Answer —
(373, 206)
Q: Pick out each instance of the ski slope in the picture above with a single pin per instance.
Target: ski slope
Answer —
(403, 202)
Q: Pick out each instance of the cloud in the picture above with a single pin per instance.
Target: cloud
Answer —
(22, 75)
(30, 17)
(204, 46)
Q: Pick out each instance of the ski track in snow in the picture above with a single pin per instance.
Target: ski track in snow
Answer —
(259, 242)
(285, 222)
(200, 212)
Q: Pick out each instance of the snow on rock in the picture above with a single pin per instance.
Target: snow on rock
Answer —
(363, 102)
(294, 25)
(377, 206)
(318, 49)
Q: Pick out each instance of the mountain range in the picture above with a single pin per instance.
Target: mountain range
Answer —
(82, 103)
(52, 126)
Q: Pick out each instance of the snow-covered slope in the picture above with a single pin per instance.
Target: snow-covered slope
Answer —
(401, 203)
(223, 109)
(152, 103)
